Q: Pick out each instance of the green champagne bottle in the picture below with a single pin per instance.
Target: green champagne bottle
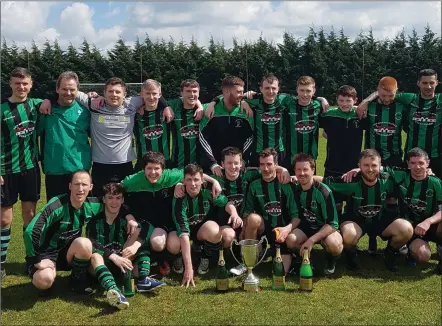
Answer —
(128, 284)
(305, 273)
(222, 275)
(278, 282)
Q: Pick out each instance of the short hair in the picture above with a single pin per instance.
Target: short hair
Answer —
(149, 83)
(155, 158)
(189, 83)
(192, 169)
(369, 152)
(113, 188)
(231, 81)
(78, 172)
(67, 75)
(20, 72)
(305, 80)
(270, 79)
(417, 152)
(114, 81)
(348, 91)
(230, 151)
(266, 152)
(426, 72)
(388, 83)
(303, 157)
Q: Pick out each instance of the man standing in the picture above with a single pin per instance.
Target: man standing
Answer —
(20, 173)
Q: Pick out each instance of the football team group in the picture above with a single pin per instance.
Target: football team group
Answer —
(206, 174)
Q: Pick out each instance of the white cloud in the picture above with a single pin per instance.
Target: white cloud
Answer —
(224, 20)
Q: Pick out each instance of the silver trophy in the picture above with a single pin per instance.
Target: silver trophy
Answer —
(250, 250)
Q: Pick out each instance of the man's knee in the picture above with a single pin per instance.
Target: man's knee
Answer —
(254, 221)
(228, 235)
(43, 279)
(82, 247)
(333, 244)
(6, 218)
(173, 244)
(158, 243)
(421, 253)
(96, 260)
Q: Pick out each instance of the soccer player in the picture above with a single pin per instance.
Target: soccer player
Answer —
(424, 118)
(53, 238)
(114, 251)
(186, 147)
(193, 221)
(270, 205)
(64, 137)
(228, 127)
(149, 194)
(365, 210)
(20, 173)
(420, 198)
(317, 220)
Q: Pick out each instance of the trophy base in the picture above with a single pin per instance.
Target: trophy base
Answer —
(253, 288)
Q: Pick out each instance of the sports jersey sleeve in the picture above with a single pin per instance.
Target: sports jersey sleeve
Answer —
(135, 102)
(249, 203)
(438, 195)
(37, 231)
(337, 184)
(145, 232)
(404, 98)
(83, 99)
(220, 201)
(205, 136)
(179, 214)
(328, 209)
(395, 174)
(292, 208)
(172, 177)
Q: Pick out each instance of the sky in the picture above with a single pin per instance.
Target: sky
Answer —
(102, 23)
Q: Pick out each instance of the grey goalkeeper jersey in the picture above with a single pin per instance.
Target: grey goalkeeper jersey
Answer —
(112, 130)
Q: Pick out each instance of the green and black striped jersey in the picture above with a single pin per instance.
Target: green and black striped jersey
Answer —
(423, 123)
(110, 239)
(316, 205)
(19, 148)
(185, 135)
(236, 190)
(418, 199)
(188, 212)
(273, 201)
(366, 202)
(57, 225)
(383, 128)
(301, 127)
(152, 133)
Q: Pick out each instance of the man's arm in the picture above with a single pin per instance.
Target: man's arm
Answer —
(205, 136)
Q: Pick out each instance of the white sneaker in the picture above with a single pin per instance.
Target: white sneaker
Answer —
(238, 270)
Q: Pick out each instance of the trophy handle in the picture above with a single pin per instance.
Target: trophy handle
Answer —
(231, 250)
(267, 244)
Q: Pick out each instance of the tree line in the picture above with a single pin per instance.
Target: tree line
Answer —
(332, 59)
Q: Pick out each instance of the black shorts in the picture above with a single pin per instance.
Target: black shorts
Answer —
(57, 184)
(430, 236)
(271, 237)
(436, 166)
(26, 184)
(58, 257)
(307, 229)
(166, 224)
(375, 228)
(106, 173)
(195, 228)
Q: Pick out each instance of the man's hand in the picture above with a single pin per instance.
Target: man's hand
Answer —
(324, 134)
(361, 110)
(210, 110)
(249, 95)
(45, 107)
(97, 102)
(324, 103)
(347, 177)
(123, 263)
(235, 220)
(217, 170)
(198, 115)
(168, 114)
(430, 172)
(422, 228)
(2, 182)
(179, 191)
(130, 251)
(216, 189)
(132, 227)
(293, 179)
(306, 245)
(283, 233)
(188, 278)
(284, 176)
(45, 263)
(92, 94)
(245, 107)
(141, 109)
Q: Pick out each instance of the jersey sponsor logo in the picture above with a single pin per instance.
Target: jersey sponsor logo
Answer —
(196, 219)
(190, 131)
(153, 132)
(69, 235)
(236, 199)
(114, 247)
(24, 129)
(114, 119)
(305, 126)
(309, 216)
(417, 206)
(424, 118)
(369, 211)
(384, 128)
(270, 119)
(273, 208)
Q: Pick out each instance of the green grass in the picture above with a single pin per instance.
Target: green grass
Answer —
(371, 296)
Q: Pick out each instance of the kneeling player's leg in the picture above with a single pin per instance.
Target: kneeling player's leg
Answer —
(228, 235)
(254, 224)
(79, 257)
(333, 245)
(351, 233)
(296, 239)
(158, 240)
(5, 236)
(420, 250)
(45, 277)
(210, 233)
(174, 247)
(398, 233)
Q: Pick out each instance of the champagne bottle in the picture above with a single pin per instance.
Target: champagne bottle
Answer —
(278, 282)
(306, 273)
(222, 275)
(128, 284)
